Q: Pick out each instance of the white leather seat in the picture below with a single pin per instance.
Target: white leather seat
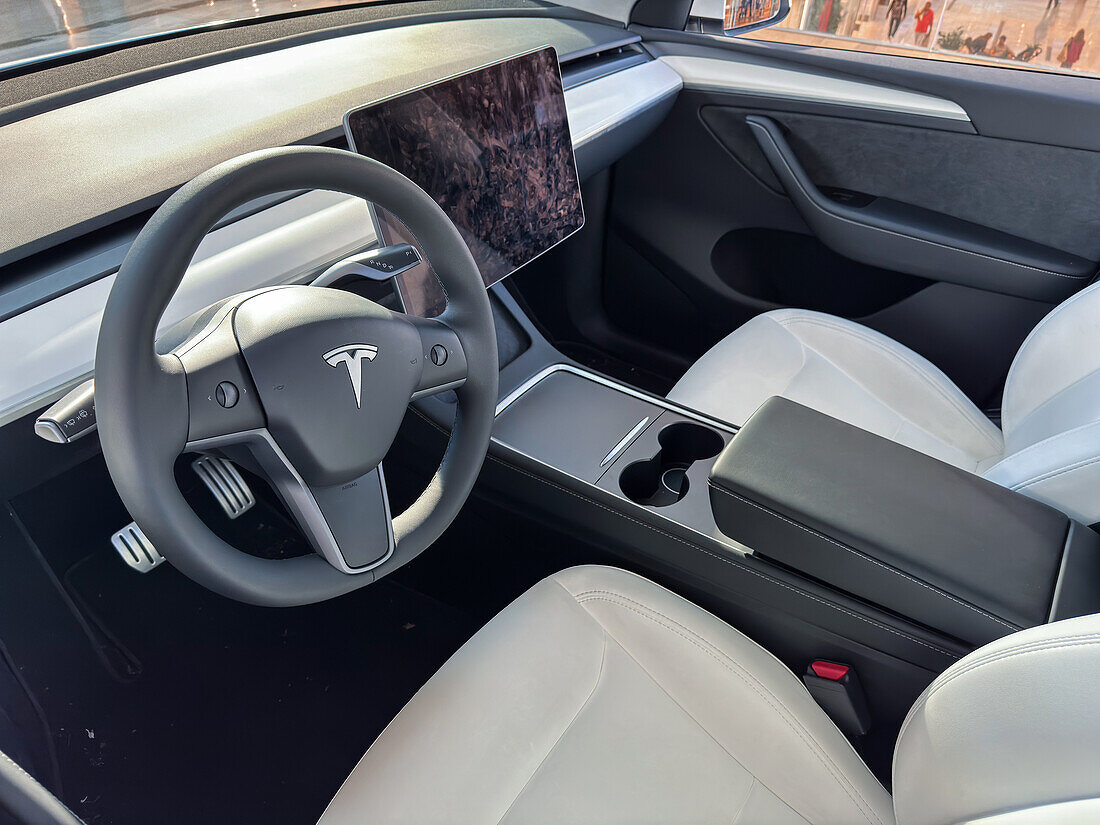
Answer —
(599, 697)
(1050, 445)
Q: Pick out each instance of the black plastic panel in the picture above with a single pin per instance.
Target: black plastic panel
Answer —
(888, 524)
(670, 443)
(571, 422)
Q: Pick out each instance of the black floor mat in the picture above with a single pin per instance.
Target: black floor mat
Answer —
(170, 704)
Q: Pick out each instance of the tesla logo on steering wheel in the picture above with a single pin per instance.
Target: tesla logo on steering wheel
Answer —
(351, 356)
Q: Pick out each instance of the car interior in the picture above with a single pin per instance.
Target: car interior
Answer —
(509, 411)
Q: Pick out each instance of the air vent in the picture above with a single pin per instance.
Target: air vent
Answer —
(579, 70)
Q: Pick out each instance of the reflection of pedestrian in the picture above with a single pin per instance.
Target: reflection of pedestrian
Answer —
(1071, 52)
(1001, 49)
(895, 14)
(1052, 3)
(924, 24)
(976, 45)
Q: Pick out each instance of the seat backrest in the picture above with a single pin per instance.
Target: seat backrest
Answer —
(1007, 735)
(1051, 411)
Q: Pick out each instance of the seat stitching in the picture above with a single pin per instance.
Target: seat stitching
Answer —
(663, 689)
(1033, 647)
(1054, 398)
(860, 555)
(684, 709)
(744, 803)
(1054, 474)
(20, 769)
(1087, 640)
(767, 653)
(922, 372)
(744, 567)
(569, 727)
(756, 686)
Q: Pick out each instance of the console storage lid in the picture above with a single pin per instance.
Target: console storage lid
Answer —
(888, 524)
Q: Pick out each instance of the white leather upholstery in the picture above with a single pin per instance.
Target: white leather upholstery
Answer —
(1008, 735)
(1050, 448)
(600, 697)
(1051, 411)
(844, 370)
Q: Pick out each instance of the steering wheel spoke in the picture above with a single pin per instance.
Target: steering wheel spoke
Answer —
(221, 399)
(349, 524)
(445, 366)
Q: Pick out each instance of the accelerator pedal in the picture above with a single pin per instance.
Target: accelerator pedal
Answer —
(225, 483)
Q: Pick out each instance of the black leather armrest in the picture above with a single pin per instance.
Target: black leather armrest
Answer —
(888, 524)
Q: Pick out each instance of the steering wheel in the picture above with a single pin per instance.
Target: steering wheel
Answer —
(312, 382)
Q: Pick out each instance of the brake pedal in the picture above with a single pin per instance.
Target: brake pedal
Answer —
(225, 483)
(136, 550)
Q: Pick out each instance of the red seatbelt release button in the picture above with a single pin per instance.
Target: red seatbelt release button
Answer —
(829, 670)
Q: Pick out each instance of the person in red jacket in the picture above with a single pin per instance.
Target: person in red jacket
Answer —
(924, 24)
(1071, 52)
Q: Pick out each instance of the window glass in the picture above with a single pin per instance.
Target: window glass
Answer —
(31, 30)
(1051, 35)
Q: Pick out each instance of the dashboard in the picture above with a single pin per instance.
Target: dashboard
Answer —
(73, 228)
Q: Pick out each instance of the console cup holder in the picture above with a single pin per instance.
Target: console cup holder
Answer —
(662, 480)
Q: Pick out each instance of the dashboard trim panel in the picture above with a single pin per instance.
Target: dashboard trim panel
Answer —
(772, 82)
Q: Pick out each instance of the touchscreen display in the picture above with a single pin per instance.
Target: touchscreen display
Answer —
(493, 148)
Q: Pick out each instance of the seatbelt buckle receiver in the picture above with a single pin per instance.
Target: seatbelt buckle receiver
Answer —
(836, 688)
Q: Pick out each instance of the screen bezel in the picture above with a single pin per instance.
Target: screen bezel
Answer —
(572, 148)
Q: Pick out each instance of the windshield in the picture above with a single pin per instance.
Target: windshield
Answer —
(31, 30)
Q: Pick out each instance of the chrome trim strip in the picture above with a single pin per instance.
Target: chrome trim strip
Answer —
(715, 74)
(630, 436)
(424, 393)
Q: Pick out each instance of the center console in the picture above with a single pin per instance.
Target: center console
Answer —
(646, 452)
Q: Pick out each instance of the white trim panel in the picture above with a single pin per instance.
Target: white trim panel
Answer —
(56, 341)
(607, 101)
(716, 74)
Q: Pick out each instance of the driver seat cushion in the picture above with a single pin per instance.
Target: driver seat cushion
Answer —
(845, 370)
(599, 697)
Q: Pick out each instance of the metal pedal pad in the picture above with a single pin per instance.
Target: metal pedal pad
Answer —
(225, 483)
(136, 550)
